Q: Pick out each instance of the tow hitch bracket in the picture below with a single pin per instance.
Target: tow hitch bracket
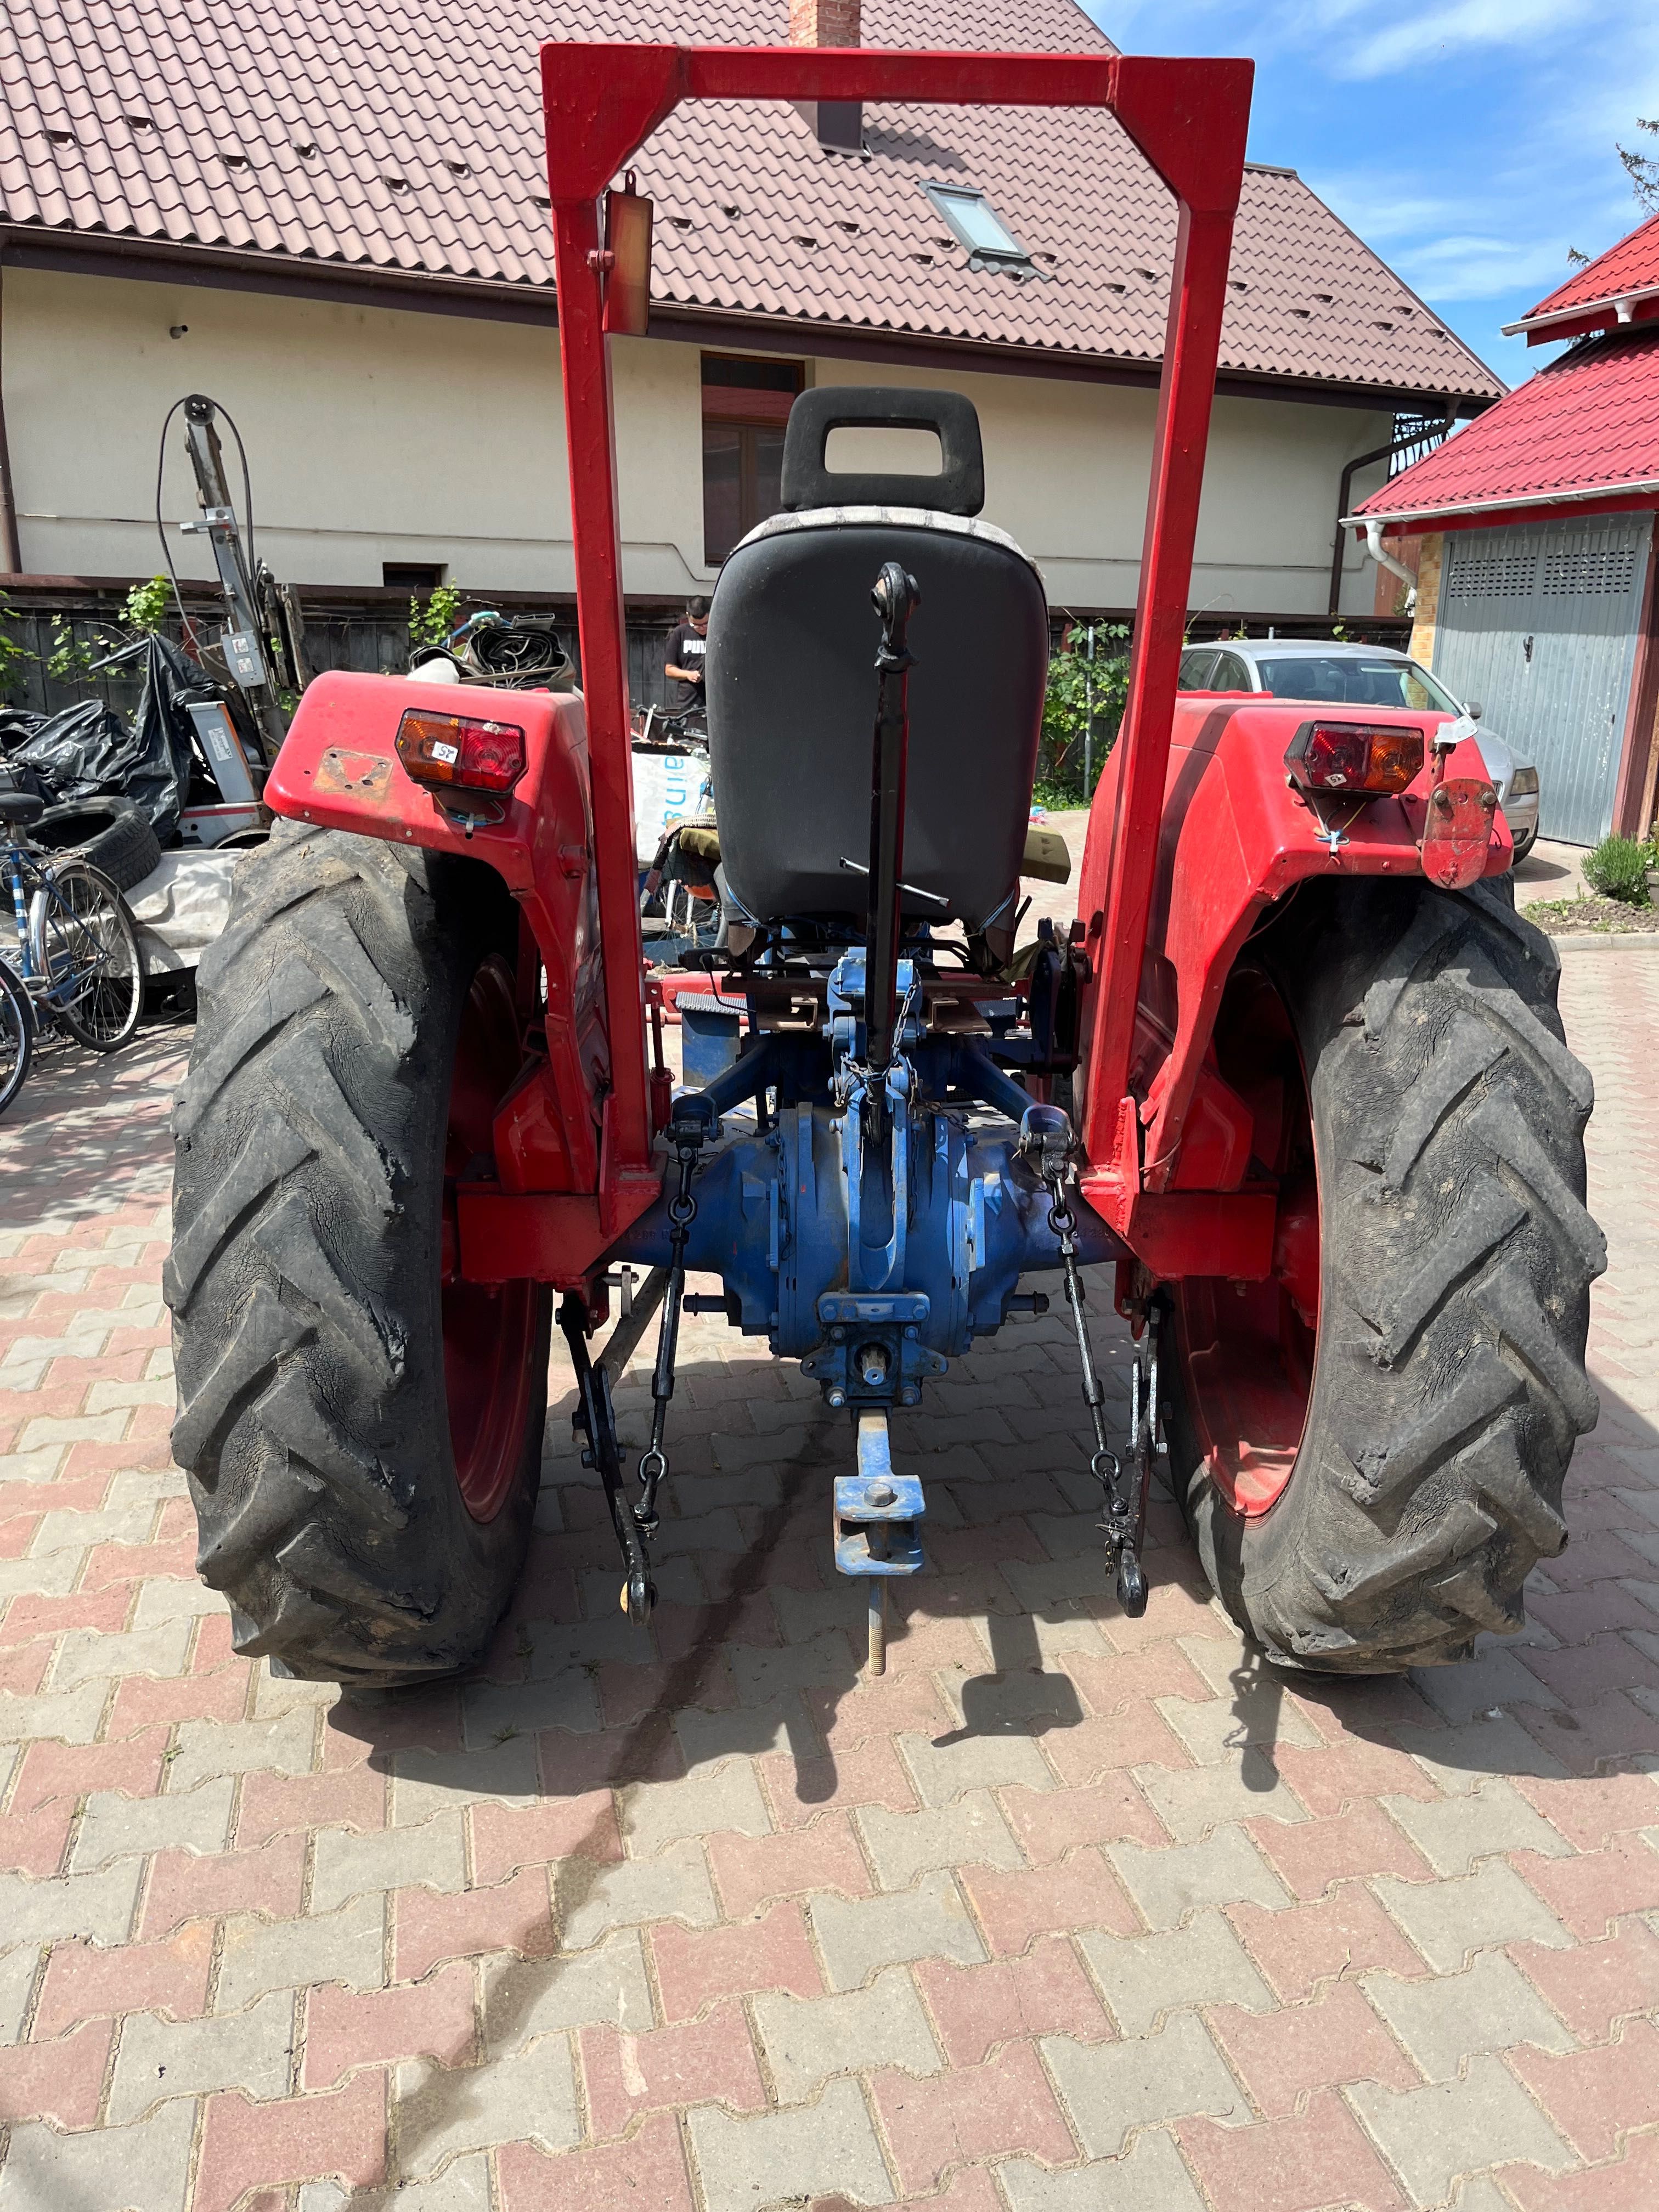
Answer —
(876, 1517)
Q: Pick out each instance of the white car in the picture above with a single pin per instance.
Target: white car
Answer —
(1328, 673)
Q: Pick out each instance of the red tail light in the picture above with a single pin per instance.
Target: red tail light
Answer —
(1370, 759)
(460, 754)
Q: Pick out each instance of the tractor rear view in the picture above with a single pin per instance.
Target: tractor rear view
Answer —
(1296, 1070)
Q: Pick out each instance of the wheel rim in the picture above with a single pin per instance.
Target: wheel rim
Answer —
(489, 1329)
(88, 958)
(1247, 1349)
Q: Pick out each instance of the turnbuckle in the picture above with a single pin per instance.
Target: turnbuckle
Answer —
(1045, 1140)
(596, 1418)
(636, 1523)
(686, 1133)
(1144, 1448)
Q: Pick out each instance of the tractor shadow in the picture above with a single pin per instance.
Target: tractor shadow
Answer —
(764, 1661)
(1257, 1692)
(1019, 1697)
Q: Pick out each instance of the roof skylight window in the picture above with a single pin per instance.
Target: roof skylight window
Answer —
(976, 224)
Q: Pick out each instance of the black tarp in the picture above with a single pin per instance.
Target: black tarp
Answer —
(90, 751)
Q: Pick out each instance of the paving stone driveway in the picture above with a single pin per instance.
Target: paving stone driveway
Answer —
(1068, 1914)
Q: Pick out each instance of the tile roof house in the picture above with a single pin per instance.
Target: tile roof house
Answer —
(1537, 577)
(339, 209)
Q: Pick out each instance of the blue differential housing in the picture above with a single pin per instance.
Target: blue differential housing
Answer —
(873, 1245)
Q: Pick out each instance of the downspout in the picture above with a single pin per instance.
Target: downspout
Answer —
(11, 556)
(1364, 461)
(1383, 559)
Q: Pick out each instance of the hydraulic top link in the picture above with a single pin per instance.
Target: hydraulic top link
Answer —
(897, 595)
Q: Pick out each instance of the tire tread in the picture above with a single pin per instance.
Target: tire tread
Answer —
(304, 1279)
(1449, 1384)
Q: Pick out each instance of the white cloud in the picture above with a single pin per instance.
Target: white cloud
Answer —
(1479, 268)
(1427, 39)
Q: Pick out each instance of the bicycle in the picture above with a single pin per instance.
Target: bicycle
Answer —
(16, 1036)
(79, 960)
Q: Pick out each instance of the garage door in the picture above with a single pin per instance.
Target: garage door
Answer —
(1540, 625)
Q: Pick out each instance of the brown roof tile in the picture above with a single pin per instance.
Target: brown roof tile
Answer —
(389, 135)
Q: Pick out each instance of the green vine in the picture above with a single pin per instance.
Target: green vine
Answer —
(148, 605)
(12, 654)
(432, 623)
(70, 657)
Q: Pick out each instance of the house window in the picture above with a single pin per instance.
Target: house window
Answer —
(746, 404)
(411, 575)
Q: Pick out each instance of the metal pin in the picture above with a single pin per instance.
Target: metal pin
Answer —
(878, 1601)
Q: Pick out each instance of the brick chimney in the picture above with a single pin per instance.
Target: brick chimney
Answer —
(838, 124)
(823, 23)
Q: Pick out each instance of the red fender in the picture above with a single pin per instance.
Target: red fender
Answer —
(339, 768)
(1234, 838)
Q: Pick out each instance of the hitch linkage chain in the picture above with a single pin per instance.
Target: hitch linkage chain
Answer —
(688, 1136)
(1046, 1140)
(635, 1524)
(596, 1418)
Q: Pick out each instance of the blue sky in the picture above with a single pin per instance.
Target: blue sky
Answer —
(1470, 142)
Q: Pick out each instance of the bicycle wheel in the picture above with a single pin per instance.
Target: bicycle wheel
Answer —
(16, 1036)
(86, 945)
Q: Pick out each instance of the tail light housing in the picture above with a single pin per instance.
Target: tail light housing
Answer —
(1366, 760)
(455, 752)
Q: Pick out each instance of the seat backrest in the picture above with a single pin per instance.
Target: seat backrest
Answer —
(792, 679)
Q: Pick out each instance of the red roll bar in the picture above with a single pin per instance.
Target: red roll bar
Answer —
(1188, 118)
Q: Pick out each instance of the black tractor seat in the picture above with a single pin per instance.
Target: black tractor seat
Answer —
(791, 681)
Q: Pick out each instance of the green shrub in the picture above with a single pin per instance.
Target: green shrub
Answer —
(1618, 868)
(1086, 695)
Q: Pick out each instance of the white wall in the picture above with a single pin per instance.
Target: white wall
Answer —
(1067, 468)
(378, 435)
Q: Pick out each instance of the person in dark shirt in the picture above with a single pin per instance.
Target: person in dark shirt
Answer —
(688, 648)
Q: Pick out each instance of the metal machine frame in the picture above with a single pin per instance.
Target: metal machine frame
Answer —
(1189, 119)
(1192, 829)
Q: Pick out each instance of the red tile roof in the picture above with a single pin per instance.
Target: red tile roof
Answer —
(1632, 265)
(1586, 425)
(403, 138)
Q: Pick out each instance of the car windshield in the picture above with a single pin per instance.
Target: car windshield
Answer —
(1345, 679)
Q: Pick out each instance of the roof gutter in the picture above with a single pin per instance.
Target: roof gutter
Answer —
(1424, 517)
(1624, 305)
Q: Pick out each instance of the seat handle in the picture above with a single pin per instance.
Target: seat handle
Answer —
(957, 488)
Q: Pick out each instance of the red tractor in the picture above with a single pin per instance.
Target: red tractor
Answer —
(1296, 1069)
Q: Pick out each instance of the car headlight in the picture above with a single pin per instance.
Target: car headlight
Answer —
(1524, 784)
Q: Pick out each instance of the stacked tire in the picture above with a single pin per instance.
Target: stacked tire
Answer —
(110, 835)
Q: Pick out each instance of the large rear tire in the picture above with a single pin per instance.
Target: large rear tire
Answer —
(361, 1429)
(1371, 1450)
